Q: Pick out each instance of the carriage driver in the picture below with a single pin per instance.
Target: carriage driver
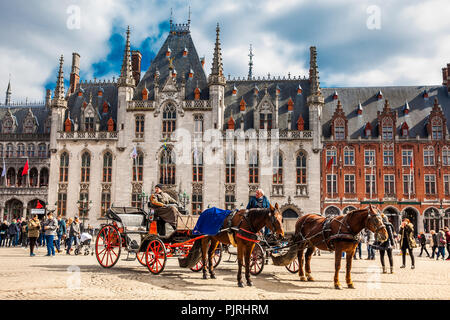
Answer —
(259, 201)
(165, 207)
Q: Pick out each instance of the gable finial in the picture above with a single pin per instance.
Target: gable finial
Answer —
(250, 64)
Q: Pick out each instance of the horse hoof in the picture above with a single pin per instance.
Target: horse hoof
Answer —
(350, 286)
(303, 278)
(337, 286)
(249, 283)
(213, 276)
(240, 285)
(205, 276)
(310, 279)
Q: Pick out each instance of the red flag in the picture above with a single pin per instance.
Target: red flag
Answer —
(330, 163)
(25, 169)
(410, 164)
(39, 205)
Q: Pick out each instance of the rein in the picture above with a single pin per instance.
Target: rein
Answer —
(250, 235)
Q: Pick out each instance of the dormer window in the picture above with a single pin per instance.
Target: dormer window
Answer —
(234, 92)
(191, 73)
(379, 95)
(299, 90)
(89, 123)
(278, 90)
(339, 129)
(425, 95)
(335, 95)
(231, 123)
(368, 130)
(28, 126)
(359, 110)
(290, 105)
(197, 94)
(168, 52)
(255, 90)
(185, 52)
(265, 121)
(242, 105)
(387, 129)
(8, 126)
(405, 130)
(406, 108)
(436, 131)
(110, 125)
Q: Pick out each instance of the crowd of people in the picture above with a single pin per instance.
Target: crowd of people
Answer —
(49, 232)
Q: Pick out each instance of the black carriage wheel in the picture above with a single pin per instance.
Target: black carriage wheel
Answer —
(257, 260)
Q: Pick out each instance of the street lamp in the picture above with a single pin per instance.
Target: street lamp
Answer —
(143, 197)
(83, 207)
(184, 199)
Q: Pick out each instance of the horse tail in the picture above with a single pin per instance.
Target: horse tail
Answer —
(284, 259)
(193, 257)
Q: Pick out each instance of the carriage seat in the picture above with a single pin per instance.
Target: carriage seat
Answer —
(130, 218)
(186, 222)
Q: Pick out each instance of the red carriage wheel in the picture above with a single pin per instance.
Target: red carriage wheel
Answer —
(141, 257)
(293, 266)
(216, 259)
(155, 256)
(257, 260)
(107, 246)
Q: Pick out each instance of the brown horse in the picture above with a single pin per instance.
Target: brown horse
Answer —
(338, 234)
(249, 222)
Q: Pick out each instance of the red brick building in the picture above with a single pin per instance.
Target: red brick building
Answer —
(388, 146)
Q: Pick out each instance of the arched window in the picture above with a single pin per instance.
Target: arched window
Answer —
(85, 167)
(301, 168)
(43, 178)
(230, 168)
(42, 150)
(339, 129)
(64, 167)
(387, 129)
(446, 220)
(278, 169)
(20, 178)
(107, 167)
(138, 167)
(30, 150)
(11, 177)
(34, 176)
(446, 156)
(431, 220)
(140, 125)
(428, 156)
(332, 211)
(253, 167)
(197, 168)
(436, 128)
(167, 168)
(20, 150)
(169, 120)
(349, 156)
(9, 150)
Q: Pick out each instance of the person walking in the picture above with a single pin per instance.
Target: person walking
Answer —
(74, 233)
(433, 243)
(34, 226)
(42, 235)
(369, 240)
(50, 226)
(13, 229)
(441, 244)
(423, 244)
(387, 246)
(3, 233)
(407, 241)
(61, 233)
(24, 228)
(447, 238)
(359, 246)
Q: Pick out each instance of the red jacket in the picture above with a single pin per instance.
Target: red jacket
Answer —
(447, 236)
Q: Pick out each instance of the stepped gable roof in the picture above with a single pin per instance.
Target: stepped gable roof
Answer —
(110, 95)
(177, 41)
(20, 112)
(288, 89)
(416, 119)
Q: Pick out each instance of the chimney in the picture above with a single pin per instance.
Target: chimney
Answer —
(136, 58)
(75, 74)
(444, 76)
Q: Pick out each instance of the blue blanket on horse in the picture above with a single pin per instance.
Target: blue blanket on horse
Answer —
(211, 221)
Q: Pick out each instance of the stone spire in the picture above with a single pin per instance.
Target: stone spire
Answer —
(250, 64)
(126, 74)
(59, 99)
(314, 73)
(8, 93)
(216, 76)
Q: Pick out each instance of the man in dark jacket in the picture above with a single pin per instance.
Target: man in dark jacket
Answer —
(13, 230)
(259, 201)
(434, 245)
(3, 233)
(447, 237)
(60, 232)
(166, 208)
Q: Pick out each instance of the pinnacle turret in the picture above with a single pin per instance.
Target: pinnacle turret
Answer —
(314, 73)
(216, 76)
(8, 94)
(59, 97)
(126, 73)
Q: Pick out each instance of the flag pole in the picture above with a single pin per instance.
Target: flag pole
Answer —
(332, 176)
(371, 178)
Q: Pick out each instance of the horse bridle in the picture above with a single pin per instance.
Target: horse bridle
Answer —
(252, 228)
(371, 216)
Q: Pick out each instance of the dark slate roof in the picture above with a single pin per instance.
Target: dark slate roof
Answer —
(396, 95)
(41, 112)
(177, 42)
(288, 89)
(110, 95)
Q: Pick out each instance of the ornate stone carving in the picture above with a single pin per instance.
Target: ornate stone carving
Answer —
(62, 187)
(230, 188)
(197, 187)
(84, 186)
(106, 187)
(253, 187)
(137, 187)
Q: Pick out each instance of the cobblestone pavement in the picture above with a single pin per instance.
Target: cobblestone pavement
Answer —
(81, 277)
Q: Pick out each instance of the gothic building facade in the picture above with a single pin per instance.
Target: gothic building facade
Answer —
(207, 138)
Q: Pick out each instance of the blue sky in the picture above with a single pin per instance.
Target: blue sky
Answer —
(408, 46)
